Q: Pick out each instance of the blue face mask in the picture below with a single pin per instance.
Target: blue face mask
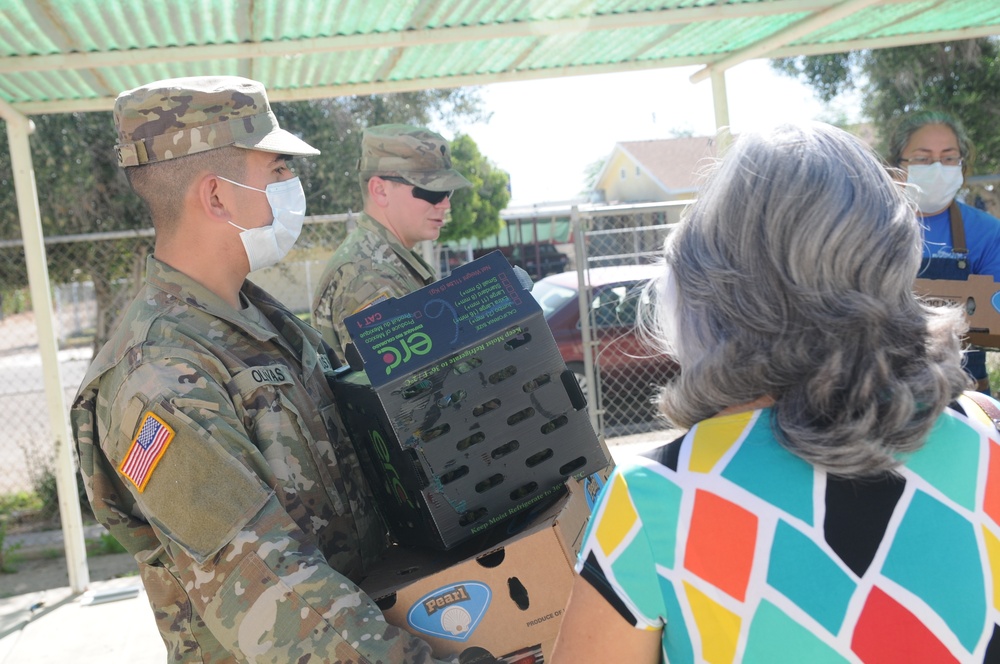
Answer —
(267, 245)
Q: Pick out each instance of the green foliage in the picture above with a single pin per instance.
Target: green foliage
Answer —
(80, 190)
(829, 75)
(993, 371)
(40, 465)
(962, 78)
(475, 210)
(590, 173)
(43, 480)
(41, 472)
(6, 551)
(105, 545)
(22, 501)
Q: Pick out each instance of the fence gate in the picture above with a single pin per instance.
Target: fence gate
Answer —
(616, 251)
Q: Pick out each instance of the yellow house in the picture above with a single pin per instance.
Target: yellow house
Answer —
(655, 170)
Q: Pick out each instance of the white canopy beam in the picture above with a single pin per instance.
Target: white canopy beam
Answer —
(18, 129)
(720, 100)
(908, 39)
(376, 87)
(795, 31)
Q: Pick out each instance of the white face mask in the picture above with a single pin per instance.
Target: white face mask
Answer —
(934, 187)
(267, 245)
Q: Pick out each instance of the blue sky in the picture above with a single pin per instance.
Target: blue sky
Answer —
(544, 133)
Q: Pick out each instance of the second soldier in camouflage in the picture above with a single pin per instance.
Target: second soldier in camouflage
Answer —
(406, 181)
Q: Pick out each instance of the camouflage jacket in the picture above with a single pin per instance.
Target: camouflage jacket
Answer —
(249, 517)
(370, 266)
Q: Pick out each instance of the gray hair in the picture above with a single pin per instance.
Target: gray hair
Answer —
(792, 277)
(907, 125)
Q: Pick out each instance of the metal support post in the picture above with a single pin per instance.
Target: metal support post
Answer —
(578, 229)
(18, 128)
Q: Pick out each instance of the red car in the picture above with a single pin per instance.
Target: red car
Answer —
(630, 372)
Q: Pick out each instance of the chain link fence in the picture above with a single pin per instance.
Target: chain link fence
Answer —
(93, 277)
(616, 252)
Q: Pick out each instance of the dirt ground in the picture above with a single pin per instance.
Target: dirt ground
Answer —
(50, 572)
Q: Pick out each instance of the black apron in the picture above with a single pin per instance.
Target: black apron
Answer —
(958, 269)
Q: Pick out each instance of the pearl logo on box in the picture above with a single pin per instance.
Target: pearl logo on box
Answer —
(451, 612)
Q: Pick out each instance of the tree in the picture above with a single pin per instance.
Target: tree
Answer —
(475, 210)
(80, 190)
(962, 78)
(590, 173)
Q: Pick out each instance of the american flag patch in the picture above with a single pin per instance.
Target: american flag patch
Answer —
(147, 448)
(382, 296)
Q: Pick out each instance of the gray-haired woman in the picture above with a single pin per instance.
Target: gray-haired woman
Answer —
(827, 503)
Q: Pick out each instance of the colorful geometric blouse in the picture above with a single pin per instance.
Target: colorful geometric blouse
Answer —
(743, 552)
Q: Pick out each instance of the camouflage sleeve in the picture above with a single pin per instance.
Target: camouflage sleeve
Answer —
(260, 584)
(351, 294)
(270, 596)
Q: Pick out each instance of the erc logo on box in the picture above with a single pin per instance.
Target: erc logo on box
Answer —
(451, 612)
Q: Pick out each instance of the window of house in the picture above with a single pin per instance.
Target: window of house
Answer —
(637, 171)
(623, 174)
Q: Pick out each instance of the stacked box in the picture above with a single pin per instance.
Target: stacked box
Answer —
(507, 599)
(465, 414)
(978, 295)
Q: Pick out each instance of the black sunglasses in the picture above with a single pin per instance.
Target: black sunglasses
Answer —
(432, 197)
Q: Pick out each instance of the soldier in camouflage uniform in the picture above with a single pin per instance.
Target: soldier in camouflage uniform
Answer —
(209, 441)
(406, 182)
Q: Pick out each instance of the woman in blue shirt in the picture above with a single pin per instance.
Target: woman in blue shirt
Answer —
(934, 153)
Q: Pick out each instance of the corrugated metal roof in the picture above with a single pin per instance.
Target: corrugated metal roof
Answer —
(61, 55)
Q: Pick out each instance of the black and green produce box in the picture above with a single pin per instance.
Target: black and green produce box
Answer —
(461, 407)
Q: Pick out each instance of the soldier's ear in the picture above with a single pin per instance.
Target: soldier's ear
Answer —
(378, 191)
(212, 197)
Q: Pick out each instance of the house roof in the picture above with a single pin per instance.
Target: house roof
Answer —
(674, 163)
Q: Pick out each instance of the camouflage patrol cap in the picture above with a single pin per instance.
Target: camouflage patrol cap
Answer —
(183, 116)
(419, 156)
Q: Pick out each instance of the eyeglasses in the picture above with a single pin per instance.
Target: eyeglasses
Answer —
(927, 161)
(432, 197)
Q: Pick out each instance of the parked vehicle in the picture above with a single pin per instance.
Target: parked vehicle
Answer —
(629, 371)
(538, 260)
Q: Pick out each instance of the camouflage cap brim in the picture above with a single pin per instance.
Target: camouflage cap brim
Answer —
(257, 132)
(445, 180)
(177, 117)
(280, 142)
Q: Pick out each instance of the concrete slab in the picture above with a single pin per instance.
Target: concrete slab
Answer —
(55, 626)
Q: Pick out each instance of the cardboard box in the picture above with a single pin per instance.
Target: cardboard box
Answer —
(508, 599)
(979, 297)
(465, 414)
